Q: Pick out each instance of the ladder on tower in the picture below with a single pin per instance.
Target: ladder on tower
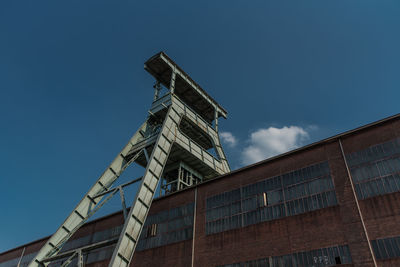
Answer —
(178, 132)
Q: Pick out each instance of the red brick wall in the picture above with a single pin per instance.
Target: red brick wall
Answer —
(178, 254)
(89, 228)
(381, 214)
(303, 232)
(331, 226)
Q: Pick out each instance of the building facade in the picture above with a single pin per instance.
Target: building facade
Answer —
(332, 203)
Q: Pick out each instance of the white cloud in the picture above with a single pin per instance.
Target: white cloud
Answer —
(228, 138)
(265, 143)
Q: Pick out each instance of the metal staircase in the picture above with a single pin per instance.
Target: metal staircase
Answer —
(173, 145)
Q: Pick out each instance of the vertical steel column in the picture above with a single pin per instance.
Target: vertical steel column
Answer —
(121, 193)
(216, 120)
(283, 193)
(80, 258)
(20, 259)
(172, 83)
(156, 136)
(194, 224)
(157, 89)
(178, 182)
(357, 204)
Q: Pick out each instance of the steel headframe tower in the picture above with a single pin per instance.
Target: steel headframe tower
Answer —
(173, 145)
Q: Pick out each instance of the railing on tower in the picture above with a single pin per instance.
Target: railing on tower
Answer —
(173, 145)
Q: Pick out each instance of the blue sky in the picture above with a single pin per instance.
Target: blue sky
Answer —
(73, 89)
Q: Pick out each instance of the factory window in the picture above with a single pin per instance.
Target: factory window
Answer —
(167, 227)
(296, 192)
(92, 256)
(97, 255)
(324, 257)
(386, 248)
(151, 230)
(376, 169)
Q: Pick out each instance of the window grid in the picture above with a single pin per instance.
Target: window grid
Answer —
(386, 248)
(167, 227)
(296, 192)
(374, 153)
(376, 169)
(324, 257)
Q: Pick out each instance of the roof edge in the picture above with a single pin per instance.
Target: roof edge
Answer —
(326, 140)
(317, 143)
(323, 141)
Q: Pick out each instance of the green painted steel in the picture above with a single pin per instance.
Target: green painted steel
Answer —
(156, 137)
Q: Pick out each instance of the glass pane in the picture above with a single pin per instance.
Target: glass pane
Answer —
(382, 249)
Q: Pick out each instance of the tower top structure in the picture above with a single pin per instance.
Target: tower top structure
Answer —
(178, 146)
(163, 68)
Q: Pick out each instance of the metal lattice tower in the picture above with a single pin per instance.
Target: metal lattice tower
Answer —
(173, 145)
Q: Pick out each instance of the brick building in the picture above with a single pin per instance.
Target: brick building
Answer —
(334, 202)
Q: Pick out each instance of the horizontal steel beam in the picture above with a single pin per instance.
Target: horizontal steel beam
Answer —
(83, 249)
(117, 188)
